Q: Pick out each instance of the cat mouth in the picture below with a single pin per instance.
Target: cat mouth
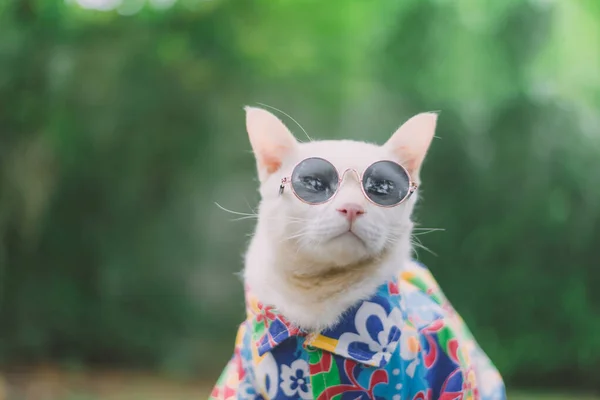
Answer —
(348, 234)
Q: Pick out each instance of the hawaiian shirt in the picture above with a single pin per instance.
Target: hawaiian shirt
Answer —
(406, 342)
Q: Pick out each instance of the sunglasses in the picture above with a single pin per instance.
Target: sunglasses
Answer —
(316, 181)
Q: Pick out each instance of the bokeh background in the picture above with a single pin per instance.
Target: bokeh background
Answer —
(121, 125)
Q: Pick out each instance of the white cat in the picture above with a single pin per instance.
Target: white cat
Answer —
(335, 306)
(303, 254)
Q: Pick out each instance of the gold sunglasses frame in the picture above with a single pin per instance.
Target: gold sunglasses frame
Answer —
(288, 180)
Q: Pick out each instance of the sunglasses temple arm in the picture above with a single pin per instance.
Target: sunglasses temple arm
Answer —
(284, 181)
(412, 189)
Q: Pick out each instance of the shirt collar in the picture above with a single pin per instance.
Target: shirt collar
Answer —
(369, 332)
(269, 327)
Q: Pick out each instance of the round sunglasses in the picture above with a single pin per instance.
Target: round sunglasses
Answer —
(316, 181)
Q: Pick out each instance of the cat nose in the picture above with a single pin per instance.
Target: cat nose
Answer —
(351, 211)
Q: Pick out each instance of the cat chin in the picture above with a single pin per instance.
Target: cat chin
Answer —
(348, 239)
(340, 251)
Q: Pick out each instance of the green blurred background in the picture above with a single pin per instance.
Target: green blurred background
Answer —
(121, 125)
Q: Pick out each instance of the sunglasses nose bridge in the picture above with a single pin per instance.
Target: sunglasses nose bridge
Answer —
(350, 170)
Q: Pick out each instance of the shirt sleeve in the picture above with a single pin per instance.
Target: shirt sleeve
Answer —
(235, 382)
(453, 360)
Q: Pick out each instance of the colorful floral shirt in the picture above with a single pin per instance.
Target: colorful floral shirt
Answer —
(404, 343)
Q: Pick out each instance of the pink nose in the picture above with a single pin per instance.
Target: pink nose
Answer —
(351, 211)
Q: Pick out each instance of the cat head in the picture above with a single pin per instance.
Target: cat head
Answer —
(348, 228)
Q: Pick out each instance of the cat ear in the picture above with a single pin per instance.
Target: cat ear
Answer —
(270, 139)
(411, 141)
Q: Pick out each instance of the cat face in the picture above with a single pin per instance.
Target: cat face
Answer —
(348, 228)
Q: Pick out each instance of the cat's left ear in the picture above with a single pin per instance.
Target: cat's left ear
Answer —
(271, 140)
(411, 141)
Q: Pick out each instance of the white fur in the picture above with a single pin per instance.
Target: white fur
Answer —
(294, 240)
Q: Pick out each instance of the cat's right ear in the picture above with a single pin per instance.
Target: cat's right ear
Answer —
(411, 141)
(270, 139)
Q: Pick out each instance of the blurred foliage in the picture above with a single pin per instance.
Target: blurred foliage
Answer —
(121, 128)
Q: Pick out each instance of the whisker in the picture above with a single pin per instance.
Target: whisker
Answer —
(256, 215)
(290, 117)
(418, 244)
(299, 234)
(249, 206)
(234, 212)
(426, 231)
(245, 217)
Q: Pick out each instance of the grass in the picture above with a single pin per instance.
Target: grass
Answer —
(548, 396)
(53, 384)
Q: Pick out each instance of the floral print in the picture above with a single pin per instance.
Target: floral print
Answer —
(406, 342)
(295, 379)
(377, 337)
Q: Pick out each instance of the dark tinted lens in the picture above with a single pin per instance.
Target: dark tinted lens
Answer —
(315, 180)
(386, 183)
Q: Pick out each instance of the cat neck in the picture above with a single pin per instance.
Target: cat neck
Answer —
(312, 295)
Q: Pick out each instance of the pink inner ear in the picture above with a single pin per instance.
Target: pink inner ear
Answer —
(271, 159)
(271, 163)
